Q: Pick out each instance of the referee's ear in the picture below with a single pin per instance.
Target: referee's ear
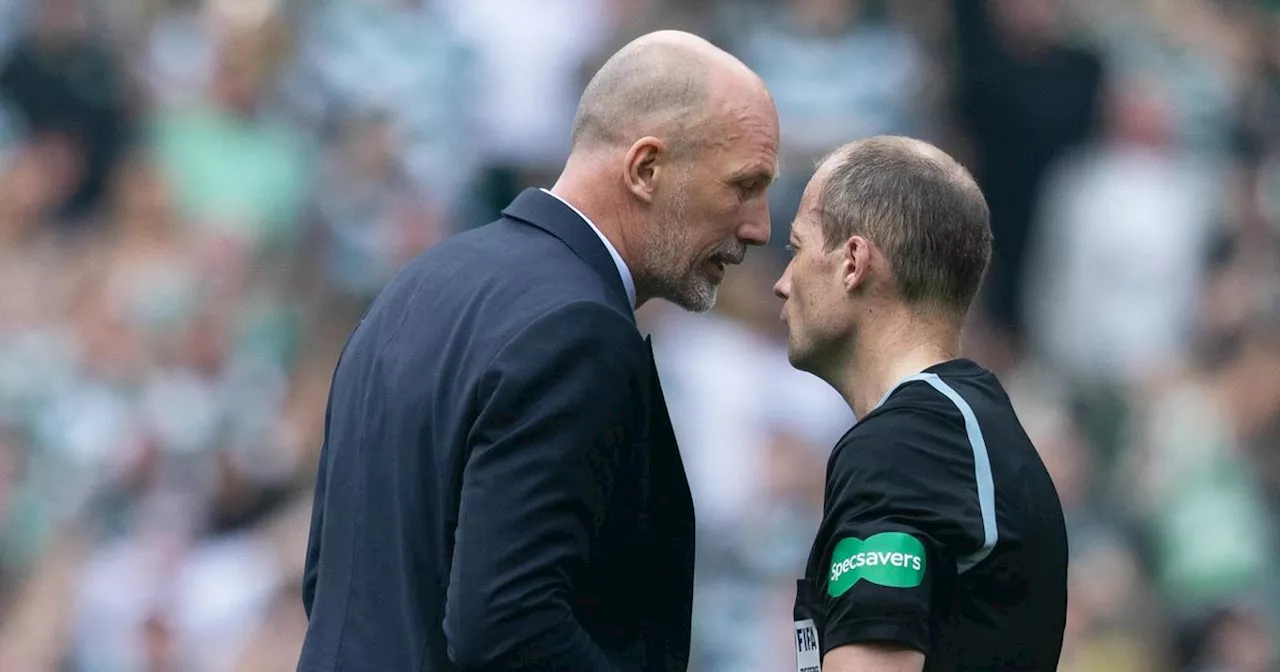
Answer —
(857, 264)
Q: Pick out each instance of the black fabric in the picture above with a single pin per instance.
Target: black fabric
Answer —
(909, 468)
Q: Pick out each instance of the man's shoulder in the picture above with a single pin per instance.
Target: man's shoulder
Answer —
(510, 253)
(913, 415)
(920, 433)
(505, 269)
(502, 240)
(932, 406)
(474, 292)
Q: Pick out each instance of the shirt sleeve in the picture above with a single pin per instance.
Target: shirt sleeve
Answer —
(902, 508)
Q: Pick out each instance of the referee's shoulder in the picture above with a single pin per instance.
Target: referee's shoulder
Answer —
(916, 428)
(913, 407)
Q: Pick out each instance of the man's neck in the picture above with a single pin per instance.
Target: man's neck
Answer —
(607, 214)
(903, 347)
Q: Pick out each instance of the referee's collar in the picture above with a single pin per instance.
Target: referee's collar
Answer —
(931, 372)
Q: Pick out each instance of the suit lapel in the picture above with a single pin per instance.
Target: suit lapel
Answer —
(673, 530)
(666, 450)
(659, 418)
(548, 213)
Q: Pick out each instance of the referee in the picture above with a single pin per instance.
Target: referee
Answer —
(942, 545)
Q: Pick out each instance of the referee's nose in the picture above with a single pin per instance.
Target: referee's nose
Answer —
(782, 288)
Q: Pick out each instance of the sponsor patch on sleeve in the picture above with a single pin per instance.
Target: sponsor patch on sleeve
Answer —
(891, 559)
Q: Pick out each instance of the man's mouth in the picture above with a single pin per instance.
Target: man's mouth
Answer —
(723, 260)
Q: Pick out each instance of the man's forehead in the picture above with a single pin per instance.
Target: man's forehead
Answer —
(809, 212)
(807, 220)
(748, 137)
(812, 196)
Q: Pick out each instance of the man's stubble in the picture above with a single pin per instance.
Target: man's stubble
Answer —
(669, 268)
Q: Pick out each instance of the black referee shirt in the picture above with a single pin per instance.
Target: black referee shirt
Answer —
(941, 531)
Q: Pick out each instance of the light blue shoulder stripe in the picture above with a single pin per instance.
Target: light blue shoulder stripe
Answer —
(981, 466)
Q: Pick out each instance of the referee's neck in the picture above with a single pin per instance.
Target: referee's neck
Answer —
(895, 350)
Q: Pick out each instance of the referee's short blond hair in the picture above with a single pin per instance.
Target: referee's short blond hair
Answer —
(921, 208)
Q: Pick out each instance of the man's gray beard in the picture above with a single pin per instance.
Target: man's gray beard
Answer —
(669, 275)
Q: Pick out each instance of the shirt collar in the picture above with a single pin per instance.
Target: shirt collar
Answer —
(623, 271)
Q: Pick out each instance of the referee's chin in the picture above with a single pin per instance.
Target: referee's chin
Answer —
(801, 358)
(812, 358)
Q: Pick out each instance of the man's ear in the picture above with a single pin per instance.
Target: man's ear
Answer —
(855, 263)
(644, 164)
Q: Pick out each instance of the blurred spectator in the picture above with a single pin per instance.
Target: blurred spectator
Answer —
(1109, 615)
(403, 61)
(373, 216)
(15, 520)
(14, 20)
(179, 53)
(239, 175)
(274, 647)
(1191, 52)
(1236, 640)
(68, 88)
(149, 268)
(32, 263)
(528, 62)
(1119, 248)
(1024, 96)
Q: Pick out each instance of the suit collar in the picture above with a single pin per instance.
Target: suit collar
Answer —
(627, 280)
(548, 213)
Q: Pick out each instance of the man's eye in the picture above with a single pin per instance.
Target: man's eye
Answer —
(748, 188)
(791, 249)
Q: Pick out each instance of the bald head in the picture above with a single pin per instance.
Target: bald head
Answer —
(662, 84)
(920, 207)
(674, 146)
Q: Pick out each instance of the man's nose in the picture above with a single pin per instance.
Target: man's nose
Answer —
(756, 230)
(781, 287)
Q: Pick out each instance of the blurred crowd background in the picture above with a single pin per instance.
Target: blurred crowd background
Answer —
(199, 197)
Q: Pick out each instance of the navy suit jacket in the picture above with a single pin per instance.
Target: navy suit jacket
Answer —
(499, 486)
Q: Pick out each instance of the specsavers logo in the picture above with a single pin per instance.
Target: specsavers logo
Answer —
(892, 559)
